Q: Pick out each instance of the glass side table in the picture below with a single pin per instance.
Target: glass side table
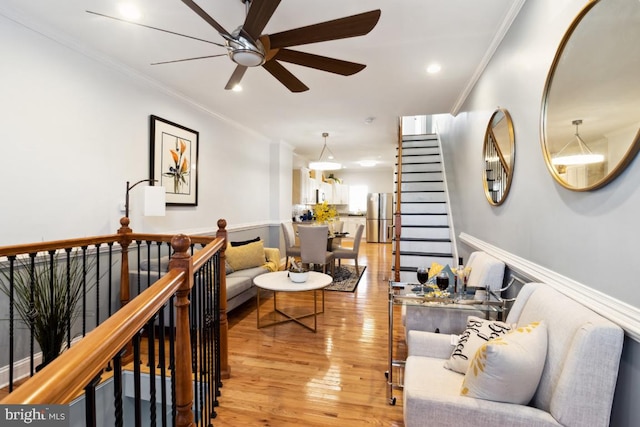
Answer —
(409, 295)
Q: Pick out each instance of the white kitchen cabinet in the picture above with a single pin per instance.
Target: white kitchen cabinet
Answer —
(340, 194)
(304, 187)
(325, 192)
(351, 224)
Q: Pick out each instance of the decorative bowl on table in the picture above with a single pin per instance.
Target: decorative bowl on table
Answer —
(299, 275)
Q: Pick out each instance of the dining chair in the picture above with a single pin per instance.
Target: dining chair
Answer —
(291, 249)
(313, 246)
(338, 228)
(343, 252)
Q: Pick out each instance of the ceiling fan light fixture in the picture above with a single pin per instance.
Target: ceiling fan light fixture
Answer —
(582, 156)
(243, 51)
(328, 164)
(248, 58)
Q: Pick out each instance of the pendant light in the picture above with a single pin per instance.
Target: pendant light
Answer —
(582, 156)
(325, 164)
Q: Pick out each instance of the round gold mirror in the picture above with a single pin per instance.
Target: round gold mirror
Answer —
(590, 121)
(499, 156)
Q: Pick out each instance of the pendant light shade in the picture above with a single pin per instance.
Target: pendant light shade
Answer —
(580, 155)
(325, 163)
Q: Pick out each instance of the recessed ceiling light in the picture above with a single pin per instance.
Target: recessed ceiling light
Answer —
(129, 11)
(367, 163)
(434, 68)
(237, 88)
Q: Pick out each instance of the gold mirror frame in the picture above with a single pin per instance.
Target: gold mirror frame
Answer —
(499, 157)
(593, 90)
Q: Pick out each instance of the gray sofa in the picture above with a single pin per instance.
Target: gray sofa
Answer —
(574, 387)
(243, 265)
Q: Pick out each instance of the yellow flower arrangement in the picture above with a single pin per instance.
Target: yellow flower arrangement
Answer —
(323, 212)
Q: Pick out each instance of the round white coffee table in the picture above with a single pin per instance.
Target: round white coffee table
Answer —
(279, 281)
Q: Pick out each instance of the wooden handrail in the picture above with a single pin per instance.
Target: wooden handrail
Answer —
(57, 244)
(65, 378)
(67, 375)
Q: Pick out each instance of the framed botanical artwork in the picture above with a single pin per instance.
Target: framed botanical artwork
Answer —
(174, 161)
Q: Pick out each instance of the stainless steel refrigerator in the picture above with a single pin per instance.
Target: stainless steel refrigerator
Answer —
(379, 217)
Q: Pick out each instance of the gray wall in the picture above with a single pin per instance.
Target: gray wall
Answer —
(586, 237)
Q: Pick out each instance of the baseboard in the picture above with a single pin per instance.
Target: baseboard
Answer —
(621, 313)
(22, 368)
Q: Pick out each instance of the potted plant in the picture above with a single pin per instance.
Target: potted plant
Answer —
(46, 293)
(297, 273)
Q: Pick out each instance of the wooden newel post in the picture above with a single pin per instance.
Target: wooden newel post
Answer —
(184, 389)
(225, 370)
(125, 241)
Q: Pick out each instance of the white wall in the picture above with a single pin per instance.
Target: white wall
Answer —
(589, 237)
(74, 130)
(378, 180)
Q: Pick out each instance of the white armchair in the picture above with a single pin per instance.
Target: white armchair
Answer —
(486, 271)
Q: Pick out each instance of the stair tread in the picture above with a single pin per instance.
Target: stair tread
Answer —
(424, 202)
(419, 155)
(418, 253)
(411, 269)
(423, 239)
(410, 172)
(423, 226)
(419, 163)
(421, 191)
(425, 213)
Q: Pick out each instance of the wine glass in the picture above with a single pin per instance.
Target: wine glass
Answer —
(423, 276)
(442, 280)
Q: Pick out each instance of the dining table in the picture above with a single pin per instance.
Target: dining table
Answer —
(334, 237)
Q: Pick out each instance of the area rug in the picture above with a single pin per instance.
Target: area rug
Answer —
(345, 278)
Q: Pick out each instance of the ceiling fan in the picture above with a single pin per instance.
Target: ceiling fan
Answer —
(247, 47)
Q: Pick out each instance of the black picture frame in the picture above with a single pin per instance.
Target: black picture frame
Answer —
(174, 160)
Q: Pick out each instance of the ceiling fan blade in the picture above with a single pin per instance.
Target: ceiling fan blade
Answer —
(284, 76)
(259, 14)
(319, 62)
(154, 28)
(350, 26)
(204, 15)
(187, 59)
(236, 77)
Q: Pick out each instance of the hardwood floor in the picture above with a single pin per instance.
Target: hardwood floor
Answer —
(286, 375)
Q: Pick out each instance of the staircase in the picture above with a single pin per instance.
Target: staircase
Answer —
(425, 234)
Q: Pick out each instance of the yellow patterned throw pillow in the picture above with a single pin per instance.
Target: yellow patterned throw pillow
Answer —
(246, 256)
(508, 368)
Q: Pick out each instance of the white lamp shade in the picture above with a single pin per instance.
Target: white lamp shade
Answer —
(154, 201)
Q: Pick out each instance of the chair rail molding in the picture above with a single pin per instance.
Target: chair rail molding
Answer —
(621, 313)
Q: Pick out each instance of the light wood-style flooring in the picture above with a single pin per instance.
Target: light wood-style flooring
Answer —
(286, 375)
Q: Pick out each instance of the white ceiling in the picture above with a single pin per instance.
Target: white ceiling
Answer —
(461, 35)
